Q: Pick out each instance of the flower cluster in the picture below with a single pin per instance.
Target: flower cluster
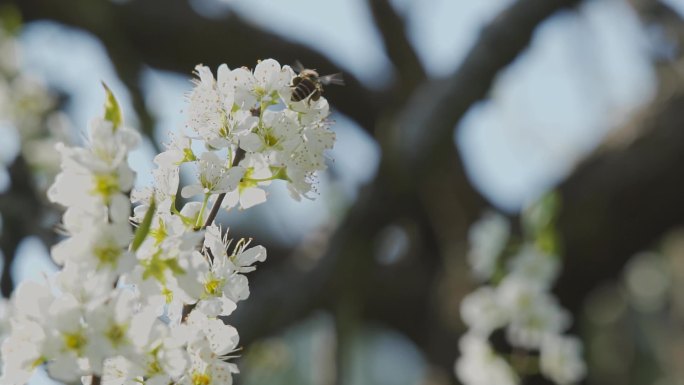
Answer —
(517, 300)
(28, 108)
(240, 110)
(147, 304)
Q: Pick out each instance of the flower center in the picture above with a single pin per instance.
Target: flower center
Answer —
(108, 255)
(200, 379)
(74, 341)
(106, 185)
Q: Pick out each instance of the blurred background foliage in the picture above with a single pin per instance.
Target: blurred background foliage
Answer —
(450, 107)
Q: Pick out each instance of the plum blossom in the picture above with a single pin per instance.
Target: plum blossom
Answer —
(138, 299)
(518, 300)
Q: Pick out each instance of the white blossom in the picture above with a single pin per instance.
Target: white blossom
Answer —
(518, 299)
(482, 312)
(140, 304)
(561, 359)
(488, 237)
(480, 365)
(214, 177)
(532, 265)
(533, 313)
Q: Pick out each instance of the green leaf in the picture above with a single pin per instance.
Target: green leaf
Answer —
(155, 267)
(542, 214)
(172, 264)
(144, 228)
(112, 110)
(10, 19)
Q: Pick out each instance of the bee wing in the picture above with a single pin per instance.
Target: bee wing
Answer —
(298, 66)
(335, 79)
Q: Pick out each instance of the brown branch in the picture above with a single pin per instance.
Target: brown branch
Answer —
(22, 213)
(438, 106)
(397, 45)
(239, 155)
(620, 202)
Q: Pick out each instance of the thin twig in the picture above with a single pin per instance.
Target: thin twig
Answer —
(239, 155)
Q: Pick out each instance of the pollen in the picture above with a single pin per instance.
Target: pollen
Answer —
(159, 233)
(116, 334)
(74, 341)
(201, 379)
(106, 185)
(108, 255)
(270, 140)
(168, 295)
(213, 286)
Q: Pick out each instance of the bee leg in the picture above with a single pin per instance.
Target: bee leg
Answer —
(315, 95)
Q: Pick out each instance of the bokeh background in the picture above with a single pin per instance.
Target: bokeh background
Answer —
(451, 107)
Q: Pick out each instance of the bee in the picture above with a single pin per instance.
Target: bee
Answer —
(308, 85)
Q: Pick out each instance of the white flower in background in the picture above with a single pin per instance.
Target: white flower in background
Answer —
(561, 359)
(28, 103)
(9, 53)
(519, 300)
(533, 313)
(28, 108)
(22, 352)
(532, 265)
(482, 312)
(480, 365)
(23, 349)
(487, 237)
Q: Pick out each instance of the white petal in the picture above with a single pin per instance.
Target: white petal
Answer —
(252, 197)
(191, 190)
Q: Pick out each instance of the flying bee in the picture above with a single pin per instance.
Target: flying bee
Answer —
(308, 85)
